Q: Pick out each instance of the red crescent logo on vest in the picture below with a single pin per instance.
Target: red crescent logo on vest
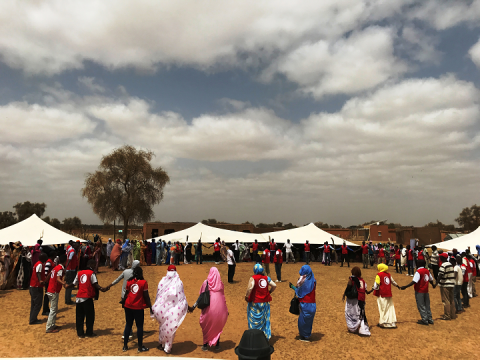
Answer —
(52, 275)
(426, 278)
(262, 283)
(386, 280)
(134, 288)
(83, 279)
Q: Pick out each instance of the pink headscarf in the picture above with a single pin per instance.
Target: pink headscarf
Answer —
(214, 281)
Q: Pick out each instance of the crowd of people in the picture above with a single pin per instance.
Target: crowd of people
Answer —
(77, 264)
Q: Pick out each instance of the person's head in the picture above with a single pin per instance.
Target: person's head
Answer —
(401, 246)
(396, 247)
(236, 241)
(382, 268)
(138, 273)
(43, 258)
(153, 240)
(40, 242)
(408, 247)
(53, 254)
(306, 242)
(91, 263)
(256, 241)
(258, 269)
(199, 241)
(62, 259)
(440, 252)
(344, 243)
(109, 240)
(453, 260)
(135, 263)
(288, 241)
(458, 259)
(171, 268)
(363, 242)
(420, 263)
(357, 272)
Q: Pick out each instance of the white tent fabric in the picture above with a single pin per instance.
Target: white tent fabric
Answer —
(461, 243)
(32, 229)
(310, 232)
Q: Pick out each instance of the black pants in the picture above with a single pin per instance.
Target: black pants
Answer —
(216, 256)
(398, 265)
(361, 305)
(231, 272)
(345, 258)
(189, 256)
(278, 270)
(69, 278)
(410, 267)
(199, 257)
(85, 311)
(138, 316)
(465, 298)
(435, 271)
(36, 295)
(236, 254)
(46, 301)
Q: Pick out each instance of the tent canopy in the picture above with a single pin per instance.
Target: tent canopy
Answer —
(209, 234)
(32, 229)
(461, 243)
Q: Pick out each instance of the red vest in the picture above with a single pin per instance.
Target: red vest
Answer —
(254, 246)
(85, 287)
(326, 248)
(53, 285)
(473, 266)
(381, 253)
(260, 293)
(272, 246)
(422, 285)
(385, 285)
(307, 247)
(309, 298)
(361, 290)
(410, 255)
(72, 265)
(469, 268)
(397, 254)
(34, 279)
(465, 276)
(364, 249)
(216, 247)
(344, 249)
(420, 255)
(279, 256)
(135, 298)
(266, 257)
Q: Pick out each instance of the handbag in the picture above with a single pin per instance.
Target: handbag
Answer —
(295, 306)
(203, 300)
(351, 292)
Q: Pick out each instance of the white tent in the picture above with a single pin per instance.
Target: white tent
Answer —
(209, 234)
(32, 229)
(310, 232)
(461, 243)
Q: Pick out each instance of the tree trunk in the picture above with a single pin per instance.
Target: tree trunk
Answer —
(125, 228)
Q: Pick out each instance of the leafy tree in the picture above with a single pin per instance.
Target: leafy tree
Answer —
(70, 224)
(54, 222)
(289, 226)
(27, 209)
(321, 225)
(469, 218)
(441, 226)
(7, 218)
(125, 187)
(210, 222)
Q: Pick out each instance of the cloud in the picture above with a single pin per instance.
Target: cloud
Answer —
(474, 53)
(90, 84)
(363, 60)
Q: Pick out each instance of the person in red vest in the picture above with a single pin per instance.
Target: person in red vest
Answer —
(464, 289)
(381, 254)
(398, 261)
(327, 249)
(255, 256)
(420, 280)
(273, 247)
(258, 297)
(85, 309)
(364, 255)
(307, 252)
(37, 281)
(305, 291)
(54, 287)
(473, 266)
(345, 249)
(355, 306)
(278, 260)
(216, 249)
(71, 269)
(382, 288)
(266, 261)
(410, 260)
(49, 265)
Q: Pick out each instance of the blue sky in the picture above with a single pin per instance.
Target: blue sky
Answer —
(342, 111)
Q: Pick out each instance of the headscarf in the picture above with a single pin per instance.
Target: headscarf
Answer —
(119, 241)
(214, 281)
(258, 269)
(135, 263)
(127, 243)
(382, 267)
(307, 282)
(478, 249)
(171, 268)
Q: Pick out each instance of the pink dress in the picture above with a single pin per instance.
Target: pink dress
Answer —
(214, 317)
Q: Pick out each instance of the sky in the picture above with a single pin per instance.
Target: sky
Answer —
(341, 111)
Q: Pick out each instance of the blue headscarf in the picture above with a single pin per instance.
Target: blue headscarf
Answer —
(309, 283)
(127, 243)
(258, 269)
(478, 249)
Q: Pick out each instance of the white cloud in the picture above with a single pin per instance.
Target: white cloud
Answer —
(474, 53)
(420, 46)
(89, 83)
(363, 60)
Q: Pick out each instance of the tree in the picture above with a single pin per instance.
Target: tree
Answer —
(27, 209)
(441, 226)
(54, 222)
(125, 187)
(70, 224)
(7, 218)
(210, 222)
(469, 218)
(321, 225)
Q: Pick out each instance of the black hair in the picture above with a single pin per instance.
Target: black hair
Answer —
(138, 273)
(62, 258)
(420, 263)
(91, 263)
(453, 260)
(43, 257)
(434, 247)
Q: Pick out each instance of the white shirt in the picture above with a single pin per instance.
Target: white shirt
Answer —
(230, 257)
(93, 280)
(236, 245)
(459, 275)
(288, 246)
(416, 277)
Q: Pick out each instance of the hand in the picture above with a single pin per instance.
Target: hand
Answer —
(190, 309)
(402, 288)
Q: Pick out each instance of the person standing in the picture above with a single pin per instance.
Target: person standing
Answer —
(187, 251)
(327, 249)
(49, 265)
(71, 270)
(473, 266)
(255, 256)
(37, 281)
(288, 251)
(273, 247)
(126, 249)
(216, 251)
(236, 251)
(258, 297)
(266, 261)
(465, 297)
(306, 250)
(434, 262)
(54, 287)
(137, 299)
(420, 280)
(213, 317)
(199, 252)
(36, 252)
(278, 260)
(232, 264)
(97, 252)
(382, 288)
(409, 261)
(446, 280)
(381, 254)
(398, 263)
(170, 308)
(85, 309)
(365, 255)
(158, 252)
(305, 291)
(110, 246)
(153, 249)
(345, 249)
(355, 307)
(457, 289)
(115, 255)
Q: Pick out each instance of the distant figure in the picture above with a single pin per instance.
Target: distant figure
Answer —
(232, 264)
(266, 261)
(153, 249)
(278, 260)
(216, 251)
(364, 255)
(288, 252)
(37, 281)
(115, 255)
(307, 252)
(273, 247)
(382, 288)
(446, 280)
(110, 245)
(305, 291)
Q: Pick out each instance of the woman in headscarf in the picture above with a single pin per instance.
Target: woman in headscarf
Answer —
(170, 308)
(126, 248)
(23, 269)
(355, 308)
(97, 252)
(148, 253)
(382, 288)
(214, 317)
(258, 298)
(223, 252)
(143, 249)
(115, 255)
(136, 250)
(305, 291)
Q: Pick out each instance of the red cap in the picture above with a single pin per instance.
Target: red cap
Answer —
(172, 268)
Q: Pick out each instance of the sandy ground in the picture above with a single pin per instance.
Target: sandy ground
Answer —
(330, 336)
